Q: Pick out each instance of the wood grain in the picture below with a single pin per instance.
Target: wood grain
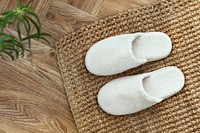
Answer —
(32, 96)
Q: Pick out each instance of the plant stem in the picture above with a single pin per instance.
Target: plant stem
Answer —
(19, 3)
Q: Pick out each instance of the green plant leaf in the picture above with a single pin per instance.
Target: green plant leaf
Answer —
(19, 3)
(13, 50)
(10, 46)
(6, 18)
(9, 54)
(27, 27)
(25, 18)
(34, 23)
(45, 40)
(36, 16)
(4, 35)
(26, 9)
(28, 24)
(19, 30)
(35, 36)
(1, 20)
(5, 13)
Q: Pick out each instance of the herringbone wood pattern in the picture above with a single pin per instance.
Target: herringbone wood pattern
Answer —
(32, 96)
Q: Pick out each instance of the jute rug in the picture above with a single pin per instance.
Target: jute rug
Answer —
(180, 19)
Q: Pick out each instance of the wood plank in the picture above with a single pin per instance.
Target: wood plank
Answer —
(32, 96)
(41, 7)
(4, 4)
(64, 13)
(111, 7)
(63, 18)
(7, 5)
(92, 8)
(66, 16)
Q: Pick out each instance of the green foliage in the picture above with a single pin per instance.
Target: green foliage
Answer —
(24, 18)
(11, 46)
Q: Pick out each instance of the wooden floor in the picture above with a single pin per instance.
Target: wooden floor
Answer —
(32, 96)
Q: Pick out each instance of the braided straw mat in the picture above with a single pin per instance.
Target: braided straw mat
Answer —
(180, 19)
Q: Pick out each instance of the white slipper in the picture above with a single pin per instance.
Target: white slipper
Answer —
(134, 93)
(120, 53)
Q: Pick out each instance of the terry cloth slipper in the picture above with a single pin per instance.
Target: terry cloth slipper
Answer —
(119, 53)
(134, 93)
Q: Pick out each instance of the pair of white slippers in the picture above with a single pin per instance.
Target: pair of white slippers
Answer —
(131, 94)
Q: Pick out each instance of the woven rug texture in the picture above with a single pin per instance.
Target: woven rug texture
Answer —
(180, 19)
